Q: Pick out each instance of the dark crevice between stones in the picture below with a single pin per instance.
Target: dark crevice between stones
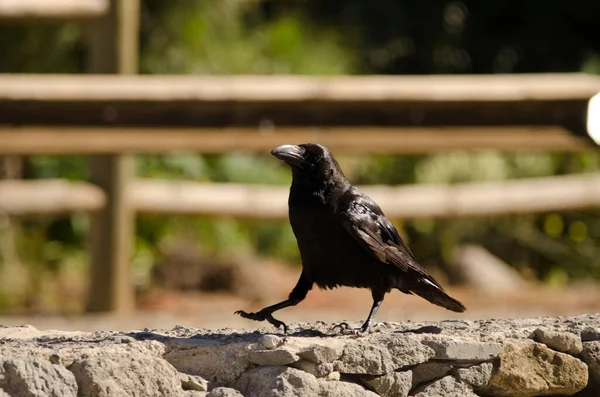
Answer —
(78, 379)
(590, 335)
(359, 380)
(422, 385)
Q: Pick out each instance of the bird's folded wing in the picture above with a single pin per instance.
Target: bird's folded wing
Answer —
(366, 223)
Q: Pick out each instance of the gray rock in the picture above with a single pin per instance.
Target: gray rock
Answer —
(318, 370)
(319, 353)
(215, 362)
(270, 341)
(224, 392)
(428, 371)
(192, 382)
(29, 376)
(290, 382)
(395, 384)
(335, 375)
(475, 376)
(448, 386)
(590, 334)
(591, 356)
(406, 350)
(306, 366)
(136, 364)
(324, 369)
(118, 375)
(530, 369)
(329, 388)
(382, 353)
(272, 357)
(459, 350)
(565, 342)
(262, 381)
(365, 358)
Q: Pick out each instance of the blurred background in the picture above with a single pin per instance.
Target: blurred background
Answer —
(196, 269)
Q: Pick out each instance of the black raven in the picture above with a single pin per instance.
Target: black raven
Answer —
(344, 238)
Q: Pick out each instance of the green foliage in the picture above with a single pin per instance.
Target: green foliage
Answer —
(464, 36)
(231, 37)
(48, 167)
(592, 64)
(222, 235)
(40, 48)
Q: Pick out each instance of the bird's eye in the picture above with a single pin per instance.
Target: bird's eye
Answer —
(312, 159)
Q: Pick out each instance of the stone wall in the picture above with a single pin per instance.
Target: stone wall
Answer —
(520, 357)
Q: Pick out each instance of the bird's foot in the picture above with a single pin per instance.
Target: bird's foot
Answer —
(342, 326)
(369, 329)
(262, 316)
(346, 329)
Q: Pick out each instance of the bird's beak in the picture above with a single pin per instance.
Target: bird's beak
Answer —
(291, 154)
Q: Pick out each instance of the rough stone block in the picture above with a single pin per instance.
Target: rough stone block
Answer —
(29, 376)
(529, 369)
(396, 384)
(448, 386)
(131, 376)
(459, 350)
(477, 375)
(428, 371)
(564, 342)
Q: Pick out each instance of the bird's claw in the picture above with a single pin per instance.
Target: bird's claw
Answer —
(262, 316)
(352, 331)
(244, 314)
(342, 326)
(346, 329)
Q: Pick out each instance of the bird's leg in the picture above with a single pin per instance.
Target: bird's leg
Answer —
(377, 299)
(296, 296)
(345, 327)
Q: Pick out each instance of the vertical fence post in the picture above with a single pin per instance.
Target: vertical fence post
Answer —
(113, 48)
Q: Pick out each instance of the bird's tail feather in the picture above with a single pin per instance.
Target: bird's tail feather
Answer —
(436, 295)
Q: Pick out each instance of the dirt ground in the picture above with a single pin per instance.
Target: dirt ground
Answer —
(165, 309)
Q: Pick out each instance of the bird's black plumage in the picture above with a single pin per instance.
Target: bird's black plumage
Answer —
(344, 238)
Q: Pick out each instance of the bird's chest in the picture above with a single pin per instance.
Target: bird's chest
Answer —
(329, 253)
(316, 229)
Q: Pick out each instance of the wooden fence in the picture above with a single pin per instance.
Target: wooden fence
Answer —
(110, 118)
(18, 10)
(531, 195)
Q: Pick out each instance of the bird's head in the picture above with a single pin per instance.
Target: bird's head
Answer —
(308, 158)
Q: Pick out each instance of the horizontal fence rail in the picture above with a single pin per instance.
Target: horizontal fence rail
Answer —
(399, 114)
(99, 140)
(536, 101)
(52, 9)
(280, 89)
(532, 195)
